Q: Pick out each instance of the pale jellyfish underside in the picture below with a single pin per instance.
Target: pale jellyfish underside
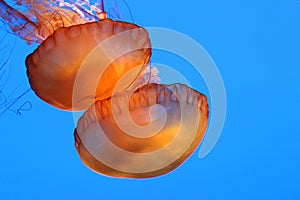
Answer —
(144, 129)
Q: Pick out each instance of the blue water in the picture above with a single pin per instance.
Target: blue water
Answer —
(255, 45)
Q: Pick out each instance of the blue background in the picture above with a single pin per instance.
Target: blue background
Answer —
(256, 46)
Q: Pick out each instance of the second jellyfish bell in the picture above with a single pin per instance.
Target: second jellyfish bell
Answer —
(142, 134)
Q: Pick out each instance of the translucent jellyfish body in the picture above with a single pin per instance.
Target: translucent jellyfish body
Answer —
(117, 48)
(144, 134)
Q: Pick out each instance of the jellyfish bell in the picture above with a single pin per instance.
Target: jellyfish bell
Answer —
(111, 47)
(144, 134)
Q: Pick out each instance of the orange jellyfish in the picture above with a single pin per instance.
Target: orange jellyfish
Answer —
(53, 67)
(144, 134)
(66, 41)
(136, 129)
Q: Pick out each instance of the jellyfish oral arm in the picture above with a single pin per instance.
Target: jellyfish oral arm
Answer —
(35, 21)
(18, 22)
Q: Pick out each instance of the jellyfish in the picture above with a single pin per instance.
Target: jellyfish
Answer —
(143, 134)
(133, 126)
(67, 37)
(53, 66)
